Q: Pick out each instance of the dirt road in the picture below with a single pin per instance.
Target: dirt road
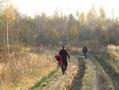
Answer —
(81, 75)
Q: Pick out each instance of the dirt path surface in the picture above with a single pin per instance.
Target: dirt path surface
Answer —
(103, 79)
(95, 82)
(57, 81)
(93, 77)
(81, 75)
(62, 82)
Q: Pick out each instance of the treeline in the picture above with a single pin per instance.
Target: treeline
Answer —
(93, 28)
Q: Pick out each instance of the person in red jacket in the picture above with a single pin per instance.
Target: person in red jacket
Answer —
(59, 59)
(60, 62)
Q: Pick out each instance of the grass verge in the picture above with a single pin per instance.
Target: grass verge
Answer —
(87, 81)
(105, 80)
(109, 74)
(44, 81)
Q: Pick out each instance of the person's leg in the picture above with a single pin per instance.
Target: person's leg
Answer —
(62, 67)
(85, 55)
(65, 67)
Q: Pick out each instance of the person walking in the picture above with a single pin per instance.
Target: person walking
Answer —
(64, 54)
(85, 50)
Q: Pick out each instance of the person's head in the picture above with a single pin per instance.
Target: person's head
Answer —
(63, 47)
(84, 46)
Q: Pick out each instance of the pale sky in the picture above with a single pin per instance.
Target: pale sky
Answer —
(32, 7)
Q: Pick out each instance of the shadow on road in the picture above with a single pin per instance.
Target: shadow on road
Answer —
(77, 82)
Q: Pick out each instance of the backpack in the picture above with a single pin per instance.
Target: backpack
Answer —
(59, 59)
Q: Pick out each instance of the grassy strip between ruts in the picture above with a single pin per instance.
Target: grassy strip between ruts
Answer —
(87, 81)
(44, 81)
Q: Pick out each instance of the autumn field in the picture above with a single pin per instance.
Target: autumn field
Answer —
(21, 69)
(35, 68)
(32, 32)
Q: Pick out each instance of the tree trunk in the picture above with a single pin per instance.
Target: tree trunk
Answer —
(8, 37)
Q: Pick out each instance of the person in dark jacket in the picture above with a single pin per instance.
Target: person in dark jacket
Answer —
(64, 54)
(85, 50)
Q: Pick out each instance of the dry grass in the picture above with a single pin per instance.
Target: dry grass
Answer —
(20, 70)
(74, 50)
(113, 54)
(87, 81)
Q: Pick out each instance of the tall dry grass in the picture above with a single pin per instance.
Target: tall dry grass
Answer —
(20, 70)
(113, 56)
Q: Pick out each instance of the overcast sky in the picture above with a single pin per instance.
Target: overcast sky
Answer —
(31, 7)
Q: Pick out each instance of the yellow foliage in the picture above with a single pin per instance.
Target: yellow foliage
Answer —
(10, 13)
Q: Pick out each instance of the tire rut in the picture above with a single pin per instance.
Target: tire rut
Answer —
(77, 82)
